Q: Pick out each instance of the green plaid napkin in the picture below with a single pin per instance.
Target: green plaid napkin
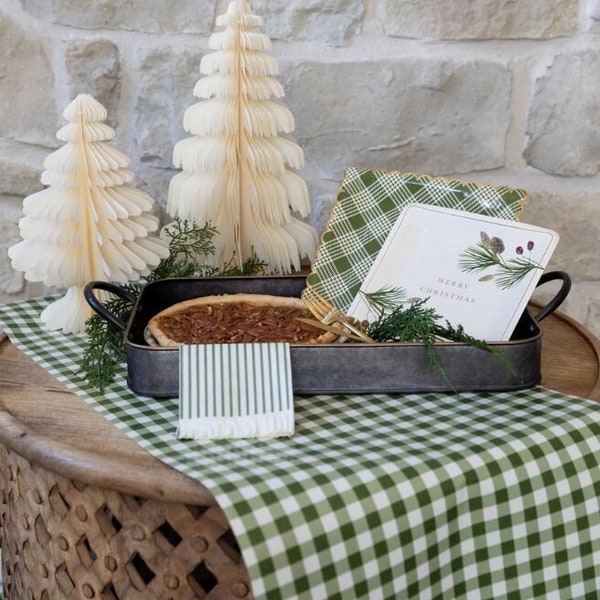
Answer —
(369, 203)
(430, 496)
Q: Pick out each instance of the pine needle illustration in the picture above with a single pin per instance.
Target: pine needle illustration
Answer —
(487, 256)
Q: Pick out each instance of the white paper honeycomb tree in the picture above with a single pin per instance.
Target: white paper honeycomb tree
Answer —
(236, 169)
(87, 224)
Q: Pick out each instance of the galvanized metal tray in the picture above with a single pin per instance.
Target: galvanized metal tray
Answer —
(332, 368)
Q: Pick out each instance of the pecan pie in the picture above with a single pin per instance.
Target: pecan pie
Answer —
(236, 318)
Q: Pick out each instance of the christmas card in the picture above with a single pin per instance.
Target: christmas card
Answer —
(474, 270)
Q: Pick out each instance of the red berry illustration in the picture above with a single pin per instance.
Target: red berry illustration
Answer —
(530, 245)
(519, 250)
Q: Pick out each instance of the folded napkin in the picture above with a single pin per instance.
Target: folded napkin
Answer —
(235, 391)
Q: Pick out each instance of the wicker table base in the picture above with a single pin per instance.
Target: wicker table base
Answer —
(63, 539)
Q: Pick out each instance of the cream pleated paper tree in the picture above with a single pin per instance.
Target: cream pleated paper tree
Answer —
(235, 171)
(87, 225)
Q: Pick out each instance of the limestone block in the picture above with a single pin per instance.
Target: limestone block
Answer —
(323, 195)
(11, 282)
(94, 67)
(21, 166)
(576, 217)
(563, 124)
(155, 181)
(164, 90)
(152, 16)
(581, 304)
(474, 19)
(595, 13)
(571, 208)
(423, 115)
(27, 85)
(324, 21)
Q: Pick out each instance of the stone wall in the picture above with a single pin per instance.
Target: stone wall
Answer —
(495, 91)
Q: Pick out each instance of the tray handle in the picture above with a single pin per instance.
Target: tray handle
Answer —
(99, 308)
(92, 300)
(560, 296)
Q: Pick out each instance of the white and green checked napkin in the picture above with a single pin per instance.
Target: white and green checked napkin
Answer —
(235, 391)
(368, 204)
(437, 496)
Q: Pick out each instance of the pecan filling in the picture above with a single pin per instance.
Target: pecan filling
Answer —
(237, 323)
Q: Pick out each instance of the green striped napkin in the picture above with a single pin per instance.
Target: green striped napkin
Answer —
(229, 391)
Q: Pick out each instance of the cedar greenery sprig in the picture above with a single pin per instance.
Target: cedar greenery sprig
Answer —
(189, 245)
(105, 347)
(419, 323)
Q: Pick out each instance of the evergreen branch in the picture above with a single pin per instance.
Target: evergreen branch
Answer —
(419, 323)
(411, 324)
(458, 334)
(105, 347)
(251, 266)
(189, 246)
(416, 323)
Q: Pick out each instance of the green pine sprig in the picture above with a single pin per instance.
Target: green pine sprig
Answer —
(105, 348)
(189, 246)
(420, 323)
(458, 334)
(414, 323)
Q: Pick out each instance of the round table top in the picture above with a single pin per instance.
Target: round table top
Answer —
(45, 423)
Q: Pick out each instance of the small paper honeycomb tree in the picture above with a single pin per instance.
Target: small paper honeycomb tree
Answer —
(87, 225)
(235, 167)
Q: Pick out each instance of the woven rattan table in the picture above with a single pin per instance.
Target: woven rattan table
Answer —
(86, 512)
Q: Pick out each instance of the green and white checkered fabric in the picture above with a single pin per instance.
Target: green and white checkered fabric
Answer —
(428, 496)
(369, 203)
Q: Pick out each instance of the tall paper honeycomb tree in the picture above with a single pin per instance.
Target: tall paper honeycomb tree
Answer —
(235, 171)
(87, 225)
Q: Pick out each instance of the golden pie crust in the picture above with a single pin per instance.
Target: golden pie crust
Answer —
(236, 318)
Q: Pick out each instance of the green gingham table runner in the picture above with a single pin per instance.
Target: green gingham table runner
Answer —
(428, 496)
(368, 204)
